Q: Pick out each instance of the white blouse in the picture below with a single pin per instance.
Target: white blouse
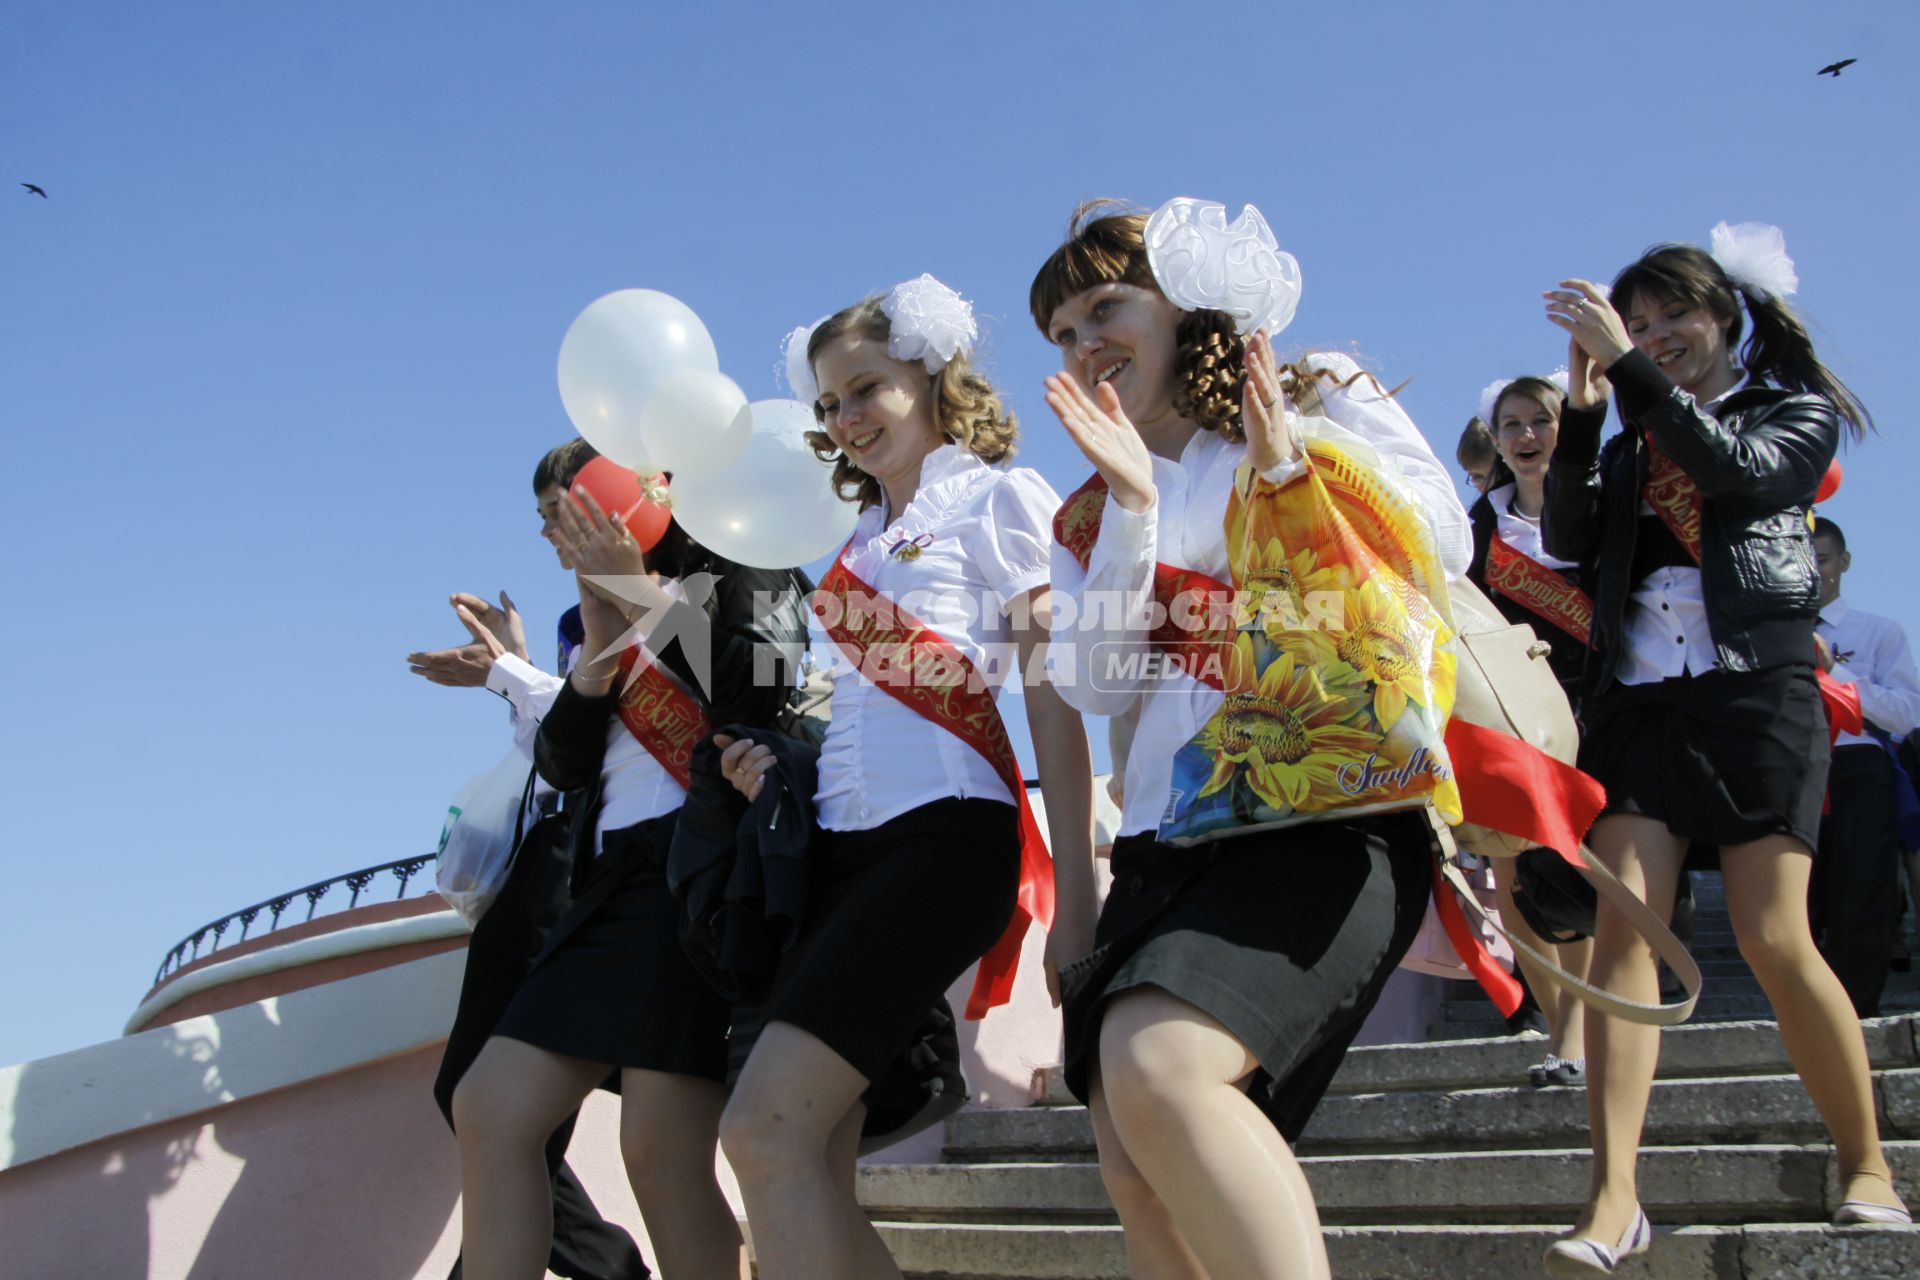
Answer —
(982, 537)
(1522, 533)
(1109, 601)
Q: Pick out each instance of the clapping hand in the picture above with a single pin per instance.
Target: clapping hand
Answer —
(1583, 310)
(1264, 410)
(599, 546)
(1100, 427)
(466, 666)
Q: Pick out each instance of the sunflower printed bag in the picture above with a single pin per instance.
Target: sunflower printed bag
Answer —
(1341, 674)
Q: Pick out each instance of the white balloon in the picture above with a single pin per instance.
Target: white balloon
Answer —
(695, 420)
(774, 508)
(615, 353)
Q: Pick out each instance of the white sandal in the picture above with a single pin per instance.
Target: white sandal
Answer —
(1577, 1256)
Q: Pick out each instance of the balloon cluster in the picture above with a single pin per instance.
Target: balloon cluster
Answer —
(641, 380)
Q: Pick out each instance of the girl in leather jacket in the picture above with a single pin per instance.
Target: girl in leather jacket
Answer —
(1701, 711)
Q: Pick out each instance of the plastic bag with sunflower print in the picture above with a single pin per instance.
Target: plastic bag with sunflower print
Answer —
(1340, 678)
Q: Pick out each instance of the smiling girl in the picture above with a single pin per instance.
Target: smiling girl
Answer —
(1225, 979)
(1702, 715)
(932, 858)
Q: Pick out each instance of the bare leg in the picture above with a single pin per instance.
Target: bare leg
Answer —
(1566, 1021)
(1621, 1056)
(1767, 900)
(506, 1107)
(1169, 1075)
(1155, 1248)
(669, 1135)
(793, 1097)
(871, 1261)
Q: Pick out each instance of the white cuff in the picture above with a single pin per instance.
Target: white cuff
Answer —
(516, 679)
(1128, 536)
(1284, 470)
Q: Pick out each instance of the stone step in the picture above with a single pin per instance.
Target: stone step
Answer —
(1777, 1251)
(1702, 1049)
(1695, 1111)
(1680, 1185)
(1721, 1000)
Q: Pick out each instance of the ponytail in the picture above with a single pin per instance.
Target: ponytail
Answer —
(1781, 350)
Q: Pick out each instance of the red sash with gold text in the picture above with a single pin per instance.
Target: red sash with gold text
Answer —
(663, 717)
(923, 670)
(1542, 590)
(1674, 497)
(1197, 625)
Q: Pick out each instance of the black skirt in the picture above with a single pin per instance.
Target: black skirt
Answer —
(1720, 759)
(905, 909)
(612, 983)
(1285, 937)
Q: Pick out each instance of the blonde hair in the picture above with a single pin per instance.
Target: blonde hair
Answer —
(966, 407)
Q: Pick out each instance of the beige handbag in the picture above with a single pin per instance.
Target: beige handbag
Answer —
(1503, 683)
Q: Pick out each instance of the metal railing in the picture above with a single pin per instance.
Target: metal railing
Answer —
(187, 950)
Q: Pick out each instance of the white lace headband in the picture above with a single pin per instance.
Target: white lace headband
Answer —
(1201, 262)
(927, 321)
(1754, 255)
(1490, 395)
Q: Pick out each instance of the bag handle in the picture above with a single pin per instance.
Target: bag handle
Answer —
(1622, 899)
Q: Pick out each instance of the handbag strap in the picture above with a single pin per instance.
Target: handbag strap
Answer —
(1622, 899)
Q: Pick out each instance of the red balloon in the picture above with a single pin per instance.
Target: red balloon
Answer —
(1830, 482)
(623, 497)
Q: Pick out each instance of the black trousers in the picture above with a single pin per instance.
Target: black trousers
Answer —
(1854, 898)
(585, 1245)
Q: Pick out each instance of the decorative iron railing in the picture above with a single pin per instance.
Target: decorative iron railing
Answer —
(188, 948)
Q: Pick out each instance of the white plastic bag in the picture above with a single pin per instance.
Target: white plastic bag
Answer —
(476, 842)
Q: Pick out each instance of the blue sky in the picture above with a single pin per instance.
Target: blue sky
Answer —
(277, 354)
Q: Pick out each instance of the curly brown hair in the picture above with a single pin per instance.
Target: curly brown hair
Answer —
(1106, 242)
(966, 406)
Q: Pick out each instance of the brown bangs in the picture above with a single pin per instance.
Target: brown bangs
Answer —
(1680, 272)
(1105, 243)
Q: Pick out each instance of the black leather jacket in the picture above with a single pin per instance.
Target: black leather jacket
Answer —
(1758, 461)
(1568, 653)
(755, 655)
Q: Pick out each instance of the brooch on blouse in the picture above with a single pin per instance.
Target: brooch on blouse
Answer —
(910, 550)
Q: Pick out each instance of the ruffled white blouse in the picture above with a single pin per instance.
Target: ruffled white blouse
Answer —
(981, 537)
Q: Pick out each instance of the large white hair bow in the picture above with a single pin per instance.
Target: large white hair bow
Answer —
(1754, 254)
(1490, 394)
(928, 322)
(1202, 261)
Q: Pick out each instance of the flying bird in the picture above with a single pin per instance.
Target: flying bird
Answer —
(1835, 68)
(34, 190)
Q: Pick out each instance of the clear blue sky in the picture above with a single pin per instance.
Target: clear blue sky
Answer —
(277, 355)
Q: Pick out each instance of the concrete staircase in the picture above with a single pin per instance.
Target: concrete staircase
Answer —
(1437, 1160)
(1730, 992)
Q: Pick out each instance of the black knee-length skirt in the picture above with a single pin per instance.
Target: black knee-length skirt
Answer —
(1285, 937)
(1722, 758)
(612, 983)
(906, 908)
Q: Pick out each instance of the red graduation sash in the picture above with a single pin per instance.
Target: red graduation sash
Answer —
(663, 717)
(1197, 626)
(1674, 497)
(922, 669)
(1542, 590)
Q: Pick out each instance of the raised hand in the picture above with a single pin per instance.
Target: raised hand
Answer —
(1263, 408)
(599, 546)
(1582, 309)
(494, 632)
(504, 622)
(1587, 386)
(1101, 429)
(602, 623)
